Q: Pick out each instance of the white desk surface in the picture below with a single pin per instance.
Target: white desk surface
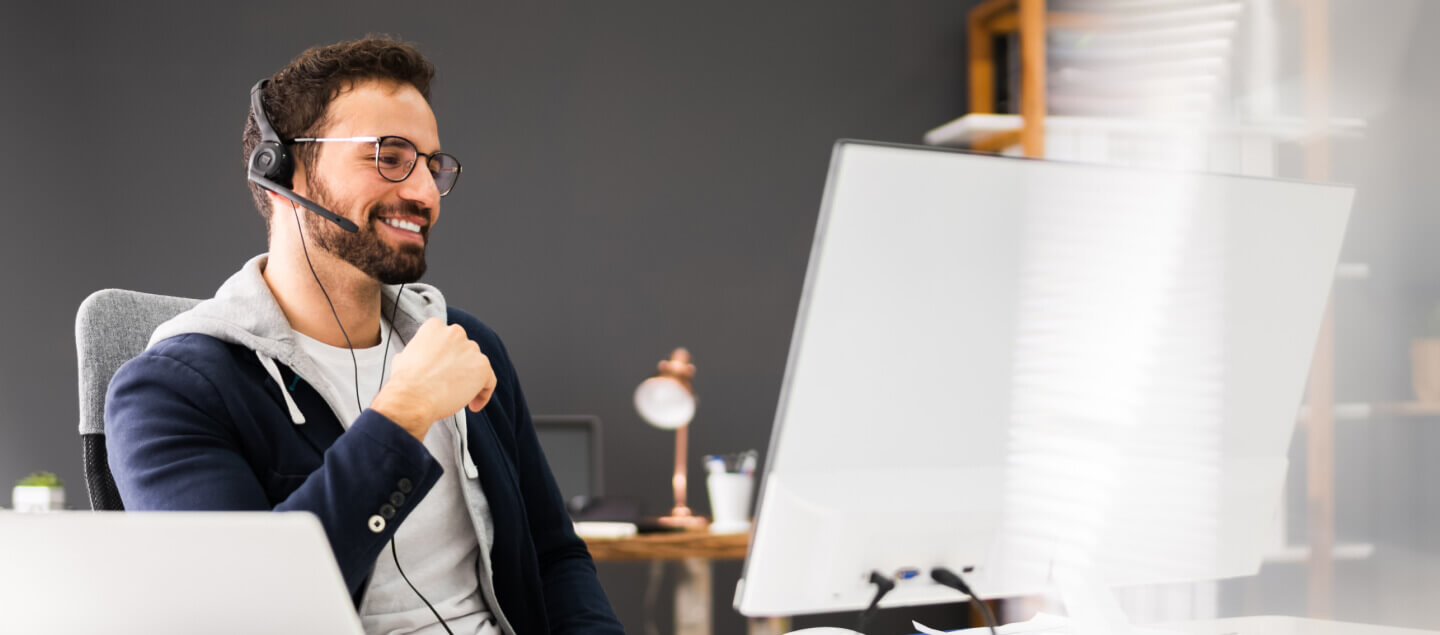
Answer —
(1277, 625)
(1257, 625)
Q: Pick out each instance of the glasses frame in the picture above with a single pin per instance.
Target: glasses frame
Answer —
(380, 141)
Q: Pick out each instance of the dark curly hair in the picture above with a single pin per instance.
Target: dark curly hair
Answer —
(297, 97)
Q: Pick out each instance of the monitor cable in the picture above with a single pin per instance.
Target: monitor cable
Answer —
(393, 554)
(953, 580)
(883, 586)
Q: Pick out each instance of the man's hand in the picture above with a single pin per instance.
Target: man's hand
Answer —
(439, 372)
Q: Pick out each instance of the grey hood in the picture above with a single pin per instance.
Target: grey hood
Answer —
(245, 312)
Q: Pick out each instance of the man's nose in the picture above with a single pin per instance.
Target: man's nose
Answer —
(420, 187)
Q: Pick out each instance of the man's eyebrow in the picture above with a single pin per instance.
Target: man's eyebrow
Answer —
(417, 146)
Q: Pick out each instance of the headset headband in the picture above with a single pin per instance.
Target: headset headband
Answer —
(257, 109)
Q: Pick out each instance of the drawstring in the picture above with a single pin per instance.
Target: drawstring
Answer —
(461, 430)
(269, 365)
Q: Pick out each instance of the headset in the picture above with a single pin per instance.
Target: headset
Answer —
(272, 167)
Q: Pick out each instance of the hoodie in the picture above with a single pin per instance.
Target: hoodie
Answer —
(224, 410)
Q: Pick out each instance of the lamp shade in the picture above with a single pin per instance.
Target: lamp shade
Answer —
(665, 403)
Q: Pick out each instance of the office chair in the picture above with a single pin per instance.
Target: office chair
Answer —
(112, 326)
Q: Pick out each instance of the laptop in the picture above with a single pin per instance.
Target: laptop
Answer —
(170, 572)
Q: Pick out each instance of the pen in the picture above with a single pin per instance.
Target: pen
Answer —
(748, 462)
(714, 464)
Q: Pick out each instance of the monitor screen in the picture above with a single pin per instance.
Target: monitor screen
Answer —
(1024, 366)
(572, 448)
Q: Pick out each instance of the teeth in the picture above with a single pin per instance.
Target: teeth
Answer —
(406, 225)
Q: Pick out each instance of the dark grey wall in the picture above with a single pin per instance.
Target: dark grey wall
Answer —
(637, 177)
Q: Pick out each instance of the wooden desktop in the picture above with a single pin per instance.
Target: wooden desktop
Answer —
(695, 550)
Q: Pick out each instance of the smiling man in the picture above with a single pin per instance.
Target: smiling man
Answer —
(322, 378)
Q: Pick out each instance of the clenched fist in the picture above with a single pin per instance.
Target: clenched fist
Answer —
(439, 372)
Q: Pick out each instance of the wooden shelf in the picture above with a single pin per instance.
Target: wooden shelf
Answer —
(976, 127)
(1365, 411)
(1191, 40)
(1408, 409)
(1300, 554)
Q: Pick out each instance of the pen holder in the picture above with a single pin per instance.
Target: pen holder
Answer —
(731, 480)
(730, 501)
(730, 494)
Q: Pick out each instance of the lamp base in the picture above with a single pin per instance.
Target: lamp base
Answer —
(683, 518)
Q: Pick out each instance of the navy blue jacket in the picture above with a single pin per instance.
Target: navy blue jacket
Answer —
(196, 423)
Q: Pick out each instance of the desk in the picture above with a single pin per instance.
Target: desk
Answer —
(694, 550)
(1277, 625)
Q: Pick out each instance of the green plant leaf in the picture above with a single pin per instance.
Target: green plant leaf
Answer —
(41, 479)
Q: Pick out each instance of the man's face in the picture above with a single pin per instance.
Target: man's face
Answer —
(346, 182)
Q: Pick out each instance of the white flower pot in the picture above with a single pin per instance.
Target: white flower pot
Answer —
(37, 499)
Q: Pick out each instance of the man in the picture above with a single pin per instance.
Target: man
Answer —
(436, 500)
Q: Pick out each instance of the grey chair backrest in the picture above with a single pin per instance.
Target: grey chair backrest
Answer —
(112, 326)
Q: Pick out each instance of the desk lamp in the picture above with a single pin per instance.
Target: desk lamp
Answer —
(667, 401)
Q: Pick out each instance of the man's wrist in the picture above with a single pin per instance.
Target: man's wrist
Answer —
(403, 412)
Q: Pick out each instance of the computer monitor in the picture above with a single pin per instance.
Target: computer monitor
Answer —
(1028, 367)
(572, 446)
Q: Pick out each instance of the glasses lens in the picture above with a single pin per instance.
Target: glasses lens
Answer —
(395, 158)
(446, 170)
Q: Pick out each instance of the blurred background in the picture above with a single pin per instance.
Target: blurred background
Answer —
(646, 175)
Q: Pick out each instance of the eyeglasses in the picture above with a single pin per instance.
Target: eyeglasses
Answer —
(395, 159)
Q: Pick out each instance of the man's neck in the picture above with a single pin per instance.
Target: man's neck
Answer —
(356, 297)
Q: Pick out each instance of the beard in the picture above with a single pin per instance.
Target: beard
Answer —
(364, 249)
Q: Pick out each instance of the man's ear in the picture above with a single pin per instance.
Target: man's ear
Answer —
(277, 202)
(297, 185)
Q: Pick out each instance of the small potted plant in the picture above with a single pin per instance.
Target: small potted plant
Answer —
(39, 492)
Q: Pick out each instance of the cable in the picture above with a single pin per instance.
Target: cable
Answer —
(338, 323)
(953, 580)
(385, 357)
(396, 557)
(393, 554)
(885, 585)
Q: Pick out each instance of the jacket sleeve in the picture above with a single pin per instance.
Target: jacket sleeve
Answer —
(574, 599)
(173, 445)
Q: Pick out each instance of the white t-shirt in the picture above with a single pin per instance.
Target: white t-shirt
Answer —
(437, 544)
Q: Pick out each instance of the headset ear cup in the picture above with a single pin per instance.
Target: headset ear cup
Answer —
(272, 161)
